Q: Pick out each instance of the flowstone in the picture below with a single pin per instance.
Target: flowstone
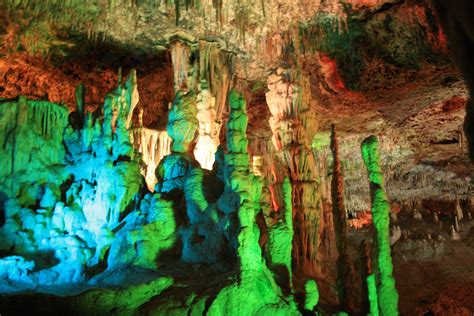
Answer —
(70, 183)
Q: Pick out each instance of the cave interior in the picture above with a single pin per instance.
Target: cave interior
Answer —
(239, 157)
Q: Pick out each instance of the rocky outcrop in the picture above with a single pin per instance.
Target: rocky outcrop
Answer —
(89, 181)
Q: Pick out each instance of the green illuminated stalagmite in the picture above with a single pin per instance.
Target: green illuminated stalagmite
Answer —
(372, 290)
(256, 293)
(312, 295)
(281, 238)
(387, 293)
(237, 161)
(123, 301)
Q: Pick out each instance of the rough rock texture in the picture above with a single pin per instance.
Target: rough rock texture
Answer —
(289, 121)
(386, 291)
(377, 67)
(344, 269)
(85, 180)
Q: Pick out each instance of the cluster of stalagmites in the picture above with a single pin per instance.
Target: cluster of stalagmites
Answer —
(67, 185)
(85, 208)
(77, 211)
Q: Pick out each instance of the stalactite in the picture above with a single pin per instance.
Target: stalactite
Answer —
(180, 53)
(289, 111)
(387, 293)
(218, 7)
(210, 76)
(341, 229)
(216, 67)
(177, 11)
(31, 132)
(154, 145)
(208, 138)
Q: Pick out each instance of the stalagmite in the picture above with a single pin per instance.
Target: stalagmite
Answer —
(370, 281)
(182, 123)
(202, 237)
(280, 241)
(455, 235)
(344, 272)
(237, 164)
(387, 293)
(312, 295)
(97, 160)
(256, 291)
(80, 103)
(131, 96)
(199, 203)
(417, 215)
(395, 235)
(459, 213)
(289, 121)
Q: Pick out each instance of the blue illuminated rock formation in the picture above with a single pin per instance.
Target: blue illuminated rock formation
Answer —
(68, 186)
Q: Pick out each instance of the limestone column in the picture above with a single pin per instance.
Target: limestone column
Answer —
(291, 118)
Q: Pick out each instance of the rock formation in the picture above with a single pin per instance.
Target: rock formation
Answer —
(386, 292)
(344, 269)
(210, 181)
(290, 117)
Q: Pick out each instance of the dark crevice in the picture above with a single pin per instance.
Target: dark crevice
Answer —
(446, 141)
